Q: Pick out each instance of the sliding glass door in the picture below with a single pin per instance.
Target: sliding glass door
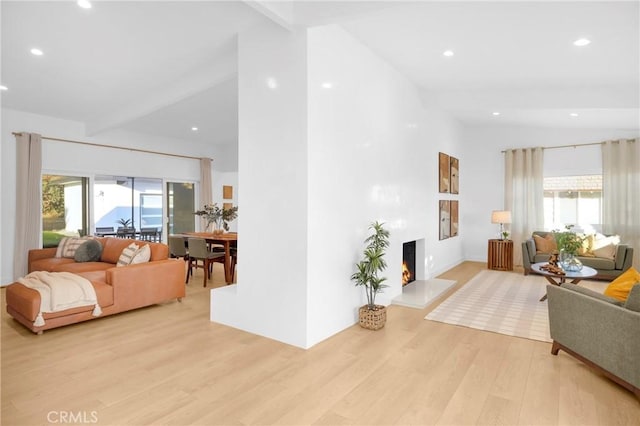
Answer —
(180, 206)
(128, 202)
(65, 208)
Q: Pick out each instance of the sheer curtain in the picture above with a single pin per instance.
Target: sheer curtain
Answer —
(524, 195)
(28, 198)
(621, 192)
(206, 189)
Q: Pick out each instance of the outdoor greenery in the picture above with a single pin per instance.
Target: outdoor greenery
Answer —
(373, 263)
(51, 239)
(568, 241)
(52, 198)
(126, 223)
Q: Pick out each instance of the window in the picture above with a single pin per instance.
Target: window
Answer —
(573, 200)
(65, 209)
(136, 202)
(150, 210)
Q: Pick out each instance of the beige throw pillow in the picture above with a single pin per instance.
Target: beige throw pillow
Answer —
(127, 255)
(142, 255)
(607, 252)
(587, 244)
(61, 245)
(68, 246)
(605, 241)
(546, 244)
(605, 247)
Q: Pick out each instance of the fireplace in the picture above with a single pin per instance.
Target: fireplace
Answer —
(408, 262)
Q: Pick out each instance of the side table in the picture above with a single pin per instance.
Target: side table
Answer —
(500, 255)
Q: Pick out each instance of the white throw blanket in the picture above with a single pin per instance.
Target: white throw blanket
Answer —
(60, 291)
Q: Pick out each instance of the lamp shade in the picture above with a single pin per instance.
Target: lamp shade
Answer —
(501, 216)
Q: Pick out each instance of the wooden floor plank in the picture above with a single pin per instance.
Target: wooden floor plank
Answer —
(168, 364)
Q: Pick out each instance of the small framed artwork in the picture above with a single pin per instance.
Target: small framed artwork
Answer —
(445, 219)
(454, 175)
(454, 218)
(227, 192)
(444, 171)
(227, 206)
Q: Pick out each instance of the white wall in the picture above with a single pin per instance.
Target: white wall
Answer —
(81, 160)
(485, 187)
(330, 161)
(221, 179)
(373, 155)
(270, 297)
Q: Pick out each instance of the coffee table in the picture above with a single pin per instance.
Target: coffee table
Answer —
(556, 279)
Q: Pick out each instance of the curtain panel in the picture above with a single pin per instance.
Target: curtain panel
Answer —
(524, 194)
(621, 192)
(28, 199)
(206, 188)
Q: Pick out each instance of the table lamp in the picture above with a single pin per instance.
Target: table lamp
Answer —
(501, 217)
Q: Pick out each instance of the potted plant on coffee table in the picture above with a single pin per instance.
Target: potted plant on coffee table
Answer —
(569, 243)
(372, 316)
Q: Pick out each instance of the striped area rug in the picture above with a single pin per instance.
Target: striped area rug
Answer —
(500, 302)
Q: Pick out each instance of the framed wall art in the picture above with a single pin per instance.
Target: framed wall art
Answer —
(445, 219)
(444, 167)
(454, 177)
(454, 217)
(227, 192)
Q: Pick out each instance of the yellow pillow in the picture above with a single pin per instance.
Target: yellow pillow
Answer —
(546, 244)
(621, 286)
(587, 244)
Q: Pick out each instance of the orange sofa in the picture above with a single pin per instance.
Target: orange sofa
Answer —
(118, 289)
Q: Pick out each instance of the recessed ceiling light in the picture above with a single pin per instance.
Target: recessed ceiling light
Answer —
(448, 53)
(36, 52)
(195, 129)
(327, 85)
(495, 113)
(4, 88)
(85, 4)
(573, 114)
(581, 42)
(272, 83)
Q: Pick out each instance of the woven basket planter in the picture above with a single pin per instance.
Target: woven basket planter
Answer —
(372, 319)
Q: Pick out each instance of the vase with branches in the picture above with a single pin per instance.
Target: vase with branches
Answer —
(218, 216)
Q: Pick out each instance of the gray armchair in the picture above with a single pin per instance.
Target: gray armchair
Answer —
(601, 332)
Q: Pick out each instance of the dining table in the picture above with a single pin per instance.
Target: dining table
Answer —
(227, 240)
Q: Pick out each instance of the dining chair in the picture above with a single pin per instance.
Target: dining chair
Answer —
(149, 234)
(233, 254)
(122, 232)
(198, 252)
(103, 230)
(178, 249)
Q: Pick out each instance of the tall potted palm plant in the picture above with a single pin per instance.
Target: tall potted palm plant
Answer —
(372, 316)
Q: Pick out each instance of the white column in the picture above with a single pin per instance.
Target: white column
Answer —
(270, 297)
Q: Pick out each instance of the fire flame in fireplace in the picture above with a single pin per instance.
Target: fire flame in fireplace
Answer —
(406, 274)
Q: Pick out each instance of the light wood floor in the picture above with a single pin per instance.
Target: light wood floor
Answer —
(168, 364)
